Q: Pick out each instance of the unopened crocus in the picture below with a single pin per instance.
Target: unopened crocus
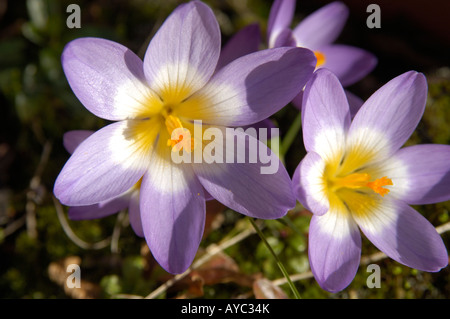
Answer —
(175, 85)
(356, 177)
(128, 200)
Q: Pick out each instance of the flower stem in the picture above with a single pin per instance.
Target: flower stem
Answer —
(279, 263)
(291, 134)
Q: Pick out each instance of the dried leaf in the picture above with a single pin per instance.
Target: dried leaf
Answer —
(265, 289)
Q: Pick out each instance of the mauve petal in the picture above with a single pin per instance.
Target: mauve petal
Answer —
(173, 211)
(285, 39)
(251, 88)
(298, 100)
(106, 77)
(389, 117)
(242, 43)
(427, 176)
(101, 209)
(184, 52)
(404, 235)
(72, 139)
(354, 101)
(334, 250)
(322, 27)
(325, 115)
(308, 184)
(105, 165)
(280, 18)
(250, 180)
(349, 64)
(264, 130)
(134, 213)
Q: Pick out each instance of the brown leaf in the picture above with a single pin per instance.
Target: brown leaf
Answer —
(265, 289)
(221, 268)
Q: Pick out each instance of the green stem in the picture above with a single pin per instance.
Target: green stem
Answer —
(279, 263)
(291, 134)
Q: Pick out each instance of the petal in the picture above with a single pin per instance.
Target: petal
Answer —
(250, 179)
(325, 115)
(404, 235)
(388, 118)
(107, 78)
(280, 17)
(101, 209)
(183, 54)
(322, 27)
(251, 88)
(421, 174)
(350, 64)
(173, 211)
(309, 186)
(354, 102)
(106, 164)
(243, 42)
(134, 212)
(72, 139)
(285, 39)
(334, 250)
(265, 130)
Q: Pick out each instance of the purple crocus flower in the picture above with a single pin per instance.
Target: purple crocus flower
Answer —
(129, 199)
(174, 86)
(317, 32)
(356, 176)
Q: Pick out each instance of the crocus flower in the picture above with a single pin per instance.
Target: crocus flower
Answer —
(317, 32)
(128, 200)
(356, 176)
(175, 85)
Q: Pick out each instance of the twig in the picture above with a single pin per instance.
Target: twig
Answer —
(116, 231)
(278, 261)
(443, 228)
(32, 197)
(211, 250)
(74, 238)
(13, 226)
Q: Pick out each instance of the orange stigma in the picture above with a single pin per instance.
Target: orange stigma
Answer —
(320, 58)
(378, 184)
(180, 136)
(358, 180)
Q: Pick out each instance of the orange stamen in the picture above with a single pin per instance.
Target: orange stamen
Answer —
(173, 125)
(320, 58)
(378, 184)
(359, 180)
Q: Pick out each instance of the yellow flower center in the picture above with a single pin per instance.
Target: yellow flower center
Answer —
(321, 59)
(360, 180)
(180, 137)
(352, 184)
